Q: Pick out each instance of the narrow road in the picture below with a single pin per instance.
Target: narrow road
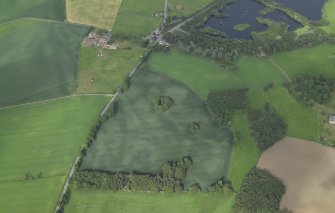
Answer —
(281, 70)
(109, 103)
(66, 184)
(53, 99)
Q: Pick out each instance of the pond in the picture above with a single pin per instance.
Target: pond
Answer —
(312, 9)
(246, 11)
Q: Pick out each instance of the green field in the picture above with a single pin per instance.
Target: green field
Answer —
(302, 120)
(93, 201)
(38, 60)
(203, 75)
(136, 17)
(42, 138)
(98, 13)
(109, 70)
(140, 139)
(329, 15)
(186, 7)
(245, 153)
(43, 9)
(35, 196)
(316, 60)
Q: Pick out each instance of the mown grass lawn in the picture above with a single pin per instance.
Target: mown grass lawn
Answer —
(186, 7)
(203, 75)
(98, 13)
(316, 60)
(245, 153)
(43, 9)
(302, 120)
(136, 17)
(38, 60)
(136, 202)
(42, 138)
(108, 71)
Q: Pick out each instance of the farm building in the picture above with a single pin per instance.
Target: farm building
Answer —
(331, 119)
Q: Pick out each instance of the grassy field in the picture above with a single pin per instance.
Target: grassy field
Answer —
(109, 70)
(317, 60)
(45, 137)
(329, 15)
(42, 138)
(35, 196)
(137, 202)
(38, 60)
(98, 13)
(203, 75)
(136, 17)
(302, 120)
(140, 139)
(245, 153)
(44, 9)
(186, 7)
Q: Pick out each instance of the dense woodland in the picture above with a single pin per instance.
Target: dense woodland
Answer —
(222, 103)
(260, 193)
(266, 127)
(313, 88)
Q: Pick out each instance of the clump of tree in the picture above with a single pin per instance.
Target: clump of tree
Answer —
(313, 88)
(193, 127)
(162, 103)
(222, 103)
(176, 170)
(195, 188)
(266, 127)
(222, 187)
(260, 192)
(168, 181)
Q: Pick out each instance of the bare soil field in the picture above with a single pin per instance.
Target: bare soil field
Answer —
(308, 172)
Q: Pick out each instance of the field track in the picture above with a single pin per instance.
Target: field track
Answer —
(281, 70)
(308, 172)
(53, 99)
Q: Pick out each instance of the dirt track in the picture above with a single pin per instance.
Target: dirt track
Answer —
(308, 171)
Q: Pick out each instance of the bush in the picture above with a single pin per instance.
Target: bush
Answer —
(260, 192)
(310, 88)
(162, 103)
(193, 127)
(266, 127)
(221, 187)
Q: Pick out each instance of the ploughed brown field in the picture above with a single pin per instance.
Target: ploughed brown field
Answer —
(308, 172)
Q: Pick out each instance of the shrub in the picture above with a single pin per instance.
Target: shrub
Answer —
(221, 187)
(193, 127)
(162, 103)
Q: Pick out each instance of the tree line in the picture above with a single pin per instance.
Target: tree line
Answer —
(169, 180)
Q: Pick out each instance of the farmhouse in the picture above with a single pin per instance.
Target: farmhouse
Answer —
(331, 119)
